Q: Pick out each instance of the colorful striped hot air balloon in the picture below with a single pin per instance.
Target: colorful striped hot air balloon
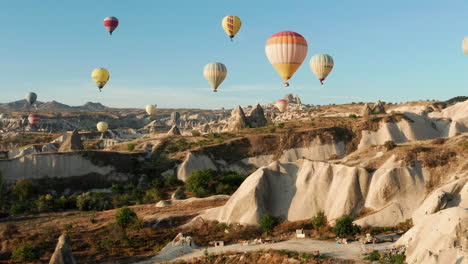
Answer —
(111, 23)
(33, 120)
(465, 46)
(321, 65)
(282, 105)
(286, 51)
(215, 73)
(231, 25)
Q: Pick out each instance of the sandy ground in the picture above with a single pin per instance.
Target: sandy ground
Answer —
(353, 250)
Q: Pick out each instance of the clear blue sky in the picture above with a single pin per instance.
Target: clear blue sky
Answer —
(389, 50)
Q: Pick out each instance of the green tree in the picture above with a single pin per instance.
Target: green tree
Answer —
(344, 226)
(125, 217)
(117, 188)
(199, 181)
(319, 220)
(23, 189)
(25, 253)
(268, 222)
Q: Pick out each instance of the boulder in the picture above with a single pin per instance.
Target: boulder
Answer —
(174, 131)
(256, 117)
(63, 253)
(163, 203)
(238, 120)
(72, 143)
(366, 110)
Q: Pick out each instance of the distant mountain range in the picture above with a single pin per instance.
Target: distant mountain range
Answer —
(49, 106)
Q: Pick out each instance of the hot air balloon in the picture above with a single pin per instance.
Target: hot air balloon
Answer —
(215, 73)
(151, 109)
(282, 105)
(33, 120)
(321, 65)
(286, 50)
(102, 126)
(111, 23)
(175, 116)
(231, 25)
(31, 98)
(465, 46)
(100, 77)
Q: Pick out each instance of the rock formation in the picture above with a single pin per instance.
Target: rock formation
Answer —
(63, 253)
(179, 246)
(366, 110)
(378, 108)
(174, 131)
(238, 120)
(292, 99)
(256, 117)
(72, 143)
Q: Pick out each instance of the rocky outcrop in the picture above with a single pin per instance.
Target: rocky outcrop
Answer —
(72, 143)
(292, 99)
(256, 117)
(181, 245)
(378, 108)
(237, 121)
(174, 131)
(366, 110)
(63, 252)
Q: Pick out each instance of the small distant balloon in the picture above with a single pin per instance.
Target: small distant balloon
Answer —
(151, 109)
(282, 105)
(100, 77)
(31, 98)
(175, 116)
(102, 126)
(321, 65)
(215, 73)
(33, 120)
(111, 23)
(231, 25)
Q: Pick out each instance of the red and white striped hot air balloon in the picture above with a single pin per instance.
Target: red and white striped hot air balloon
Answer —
(111, 23)
(33, 120)
(282, 105)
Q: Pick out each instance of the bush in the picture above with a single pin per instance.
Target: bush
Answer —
(180, 192)
(345, 227)
(23, 189)
(319, 220)
(268, 222)
(154, 195)
(353, 116)
(373, 256)
(130, 147)
(196, 133)
(25, 253)
(125, 217)
(199, 181)
(272, 129)
(157, 183)
(93, 201)
(281, 125)
(19, 208)
(389, 145)
(45, 203)
(397, 259)
(405, 226)
(117, 188)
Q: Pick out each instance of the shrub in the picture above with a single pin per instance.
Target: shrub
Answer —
(199, 181)
(19, 208)
(281, 125)
(25, 253)
(153, 195)
(397, 259)
(345, 227)
(180, 192)
(312, 124)
(196, 133)
(268, 222)
(172, 181)
(130, 147)
(272, 129)
(93, 201)
(438, 141)
(45, 203)
(125, 217)
(353, 116)
(319, 220)
(373, 256)
(23, 189)
(405, 226)
(117, 188)
(389, 145)
(157, 183)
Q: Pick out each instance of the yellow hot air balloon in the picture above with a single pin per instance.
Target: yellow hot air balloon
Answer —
(231, 25)
(102, 126)
(151, 109)
(465, 46)
(215, 73)
(286, 51)
(100, 77)
(321, 65)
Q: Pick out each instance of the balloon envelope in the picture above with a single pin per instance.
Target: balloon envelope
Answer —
(111, 23)
(286, 51)
(321, 65)
(465, 46)
(102, 126)
(215, 73)
(150, 109)
(33, 119)
(100, 77)
(282, 105)
(231, 25)
(31, 98)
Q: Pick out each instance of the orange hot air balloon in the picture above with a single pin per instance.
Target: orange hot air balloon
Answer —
(286, 50)
(282, 105)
